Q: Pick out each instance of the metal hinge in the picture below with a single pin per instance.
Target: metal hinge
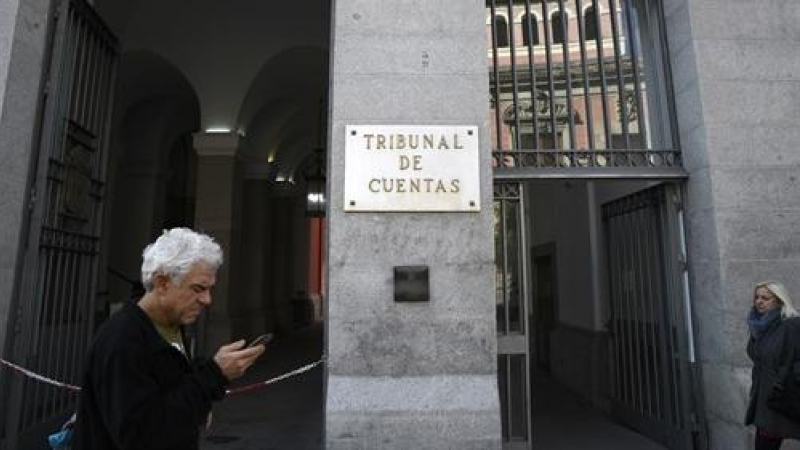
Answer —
(32, 200)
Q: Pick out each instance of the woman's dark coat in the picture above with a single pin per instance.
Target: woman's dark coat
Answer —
(139, 392)
(769, 355)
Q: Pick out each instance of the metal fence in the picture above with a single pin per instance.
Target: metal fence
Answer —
(54, 311)
(579, 84)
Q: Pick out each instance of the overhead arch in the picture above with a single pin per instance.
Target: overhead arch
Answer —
(280, 115)
(154, 99)
(299, 73)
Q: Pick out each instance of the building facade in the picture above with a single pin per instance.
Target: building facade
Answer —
(594, 188)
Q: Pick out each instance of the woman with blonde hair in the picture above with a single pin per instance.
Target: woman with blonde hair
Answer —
(774, 344)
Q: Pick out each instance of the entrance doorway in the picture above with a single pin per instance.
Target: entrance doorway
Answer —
(203, 115)
(608, 341)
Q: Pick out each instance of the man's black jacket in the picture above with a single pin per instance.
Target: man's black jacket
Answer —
(139, 392)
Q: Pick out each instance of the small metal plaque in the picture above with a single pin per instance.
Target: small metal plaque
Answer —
(408, 168)
(411, 284)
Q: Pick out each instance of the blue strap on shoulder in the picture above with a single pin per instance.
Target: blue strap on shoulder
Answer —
(61, 440)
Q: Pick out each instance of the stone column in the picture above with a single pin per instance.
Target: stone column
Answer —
(214, 214)
(736, 90)
(404, 375)
(249, 315)
(23, 28)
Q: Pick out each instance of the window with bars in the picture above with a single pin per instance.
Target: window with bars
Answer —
(579, 83)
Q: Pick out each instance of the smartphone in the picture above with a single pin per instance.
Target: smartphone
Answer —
(261, 340)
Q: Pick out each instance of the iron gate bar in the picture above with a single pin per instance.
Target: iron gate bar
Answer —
(633, 39)
(80, 68)
(623, 106)
(525, 295)
(600, 58)
(675, 348)
(506, 320)
(672, 322)
(565, 43)
(515, 85)
(632, 369)
(504, 233)
(651, 294)
(49, 350)
(639, 349)
(549, 63)
(581, 21)
(531, 56)
(612, 322)
(668, 84)
(641, 222)
(622, 342)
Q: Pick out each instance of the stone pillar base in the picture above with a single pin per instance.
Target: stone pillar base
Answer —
(425, 412)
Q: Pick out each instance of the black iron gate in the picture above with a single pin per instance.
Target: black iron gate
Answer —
(650, 325)
(54, 310)
(513, 322)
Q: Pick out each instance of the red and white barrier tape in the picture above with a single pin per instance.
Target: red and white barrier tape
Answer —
(262, 384)
(237, 390)
(38, 377)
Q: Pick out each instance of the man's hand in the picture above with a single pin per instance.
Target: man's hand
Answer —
(234, 359)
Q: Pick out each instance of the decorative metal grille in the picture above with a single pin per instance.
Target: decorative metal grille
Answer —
(578, 84)
(507, 191)
(55, 309)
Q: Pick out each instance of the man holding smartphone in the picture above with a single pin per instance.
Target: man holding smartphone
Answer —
(141, 388)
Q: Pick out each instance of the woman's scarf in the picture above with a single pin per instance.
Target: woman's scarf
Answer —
(760, 323)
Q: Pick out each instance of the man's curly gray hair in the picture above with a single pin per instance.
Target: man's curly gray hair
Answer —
(175, 252)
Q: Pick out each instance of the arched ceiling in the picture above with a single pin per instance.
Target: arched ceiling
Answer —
(251, 63)
(144, 75)
(284, 111)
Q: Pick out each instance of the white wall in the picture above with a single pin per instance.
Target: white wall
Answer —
(558, 212)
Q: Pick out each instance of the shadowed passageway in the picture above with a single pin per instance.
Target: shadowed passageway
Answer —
(285, 415)
(561, 422)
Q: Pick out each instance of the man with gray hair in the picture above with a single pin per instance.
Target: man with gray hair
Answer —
(141, 388)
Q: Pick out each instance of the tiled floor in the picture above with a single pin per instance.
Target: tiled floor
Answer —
(560, 422)
(288, 415)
